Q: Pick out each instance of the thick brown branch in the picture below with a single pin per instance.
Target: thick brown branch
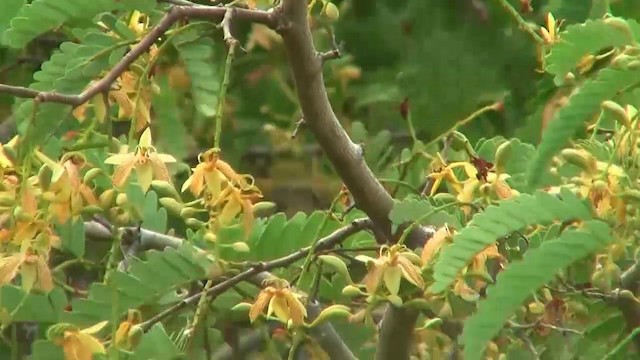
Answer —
(214, 13)
(346, 157)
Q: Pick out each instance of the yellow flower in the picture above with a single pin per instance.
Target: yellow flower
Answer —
(477, 267)
(446, 174)
(497, 185)
(123, 338)
(281, 301)
(145, 160)
(393, 264)
(550, 32)
(213, 172)
(80, 344)
(441, 236)
(34, 271)
(68, 194)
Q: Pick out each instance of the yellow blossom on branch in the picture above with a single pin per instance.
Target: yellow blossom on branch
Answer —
(281, 300)
(147, 163)
(393, 264)
(77, 344)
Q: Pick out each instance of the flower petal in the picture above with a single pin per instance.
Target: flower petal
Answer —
(145, 139)
(372, 279)
(278, 305)
(258, 306)
(435, 243)
(297, 311)
(410, 272)
(145, 175)
(392, 276)
(120, 159)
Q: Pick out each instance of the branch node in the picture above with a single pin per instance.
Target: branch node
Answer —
(335, 52)
(299, 124)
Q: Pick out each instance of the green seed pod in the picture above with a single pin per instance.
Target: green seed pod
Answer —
(580, 158)
(337, 264)
(91, 174)
(330, 313)
(618, 112)
(188, 212)
(263, 207)
(91, 210)
(194, 223)
(164, 188)
(172, 206)
(44, 176)
(445, 198)
(351, 291)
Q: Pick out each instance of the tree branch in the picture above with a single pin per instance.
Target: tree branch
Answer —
(258, 271)
(345, 156)
(214, 13)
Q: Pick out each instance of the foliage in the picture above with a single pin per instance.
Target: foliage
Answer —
(133, 225)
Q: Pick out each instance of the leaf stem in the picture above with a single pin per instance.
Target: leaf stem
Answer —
(522, 23)
(463, 122)
(622, 344)
(223, 92)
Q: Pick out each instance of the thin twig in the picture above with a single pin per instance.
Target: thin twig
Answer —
(522, 23)
(173, 15)
(232, 42)
(327, 242)
(299, 124)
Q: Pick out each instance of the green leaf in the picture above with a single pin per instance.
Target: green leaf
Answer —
(500, 220)
(571, 118)
(156, 344)
(280, 235)
(43, 15)
(46, 350)
(72, 235)
(197, 53)
(521, 278)
(36, 306)
(146, 282)
(66, 71)
(582, 39)
(412, 209)
(9, 9)
(172, 133)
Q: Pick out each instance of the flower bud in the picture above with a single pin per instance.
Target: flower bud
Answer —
(331, 11)
(107, 198)
(172, 205)
(332, 312)
(121, 199)
(351, 291)
(91, 174)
